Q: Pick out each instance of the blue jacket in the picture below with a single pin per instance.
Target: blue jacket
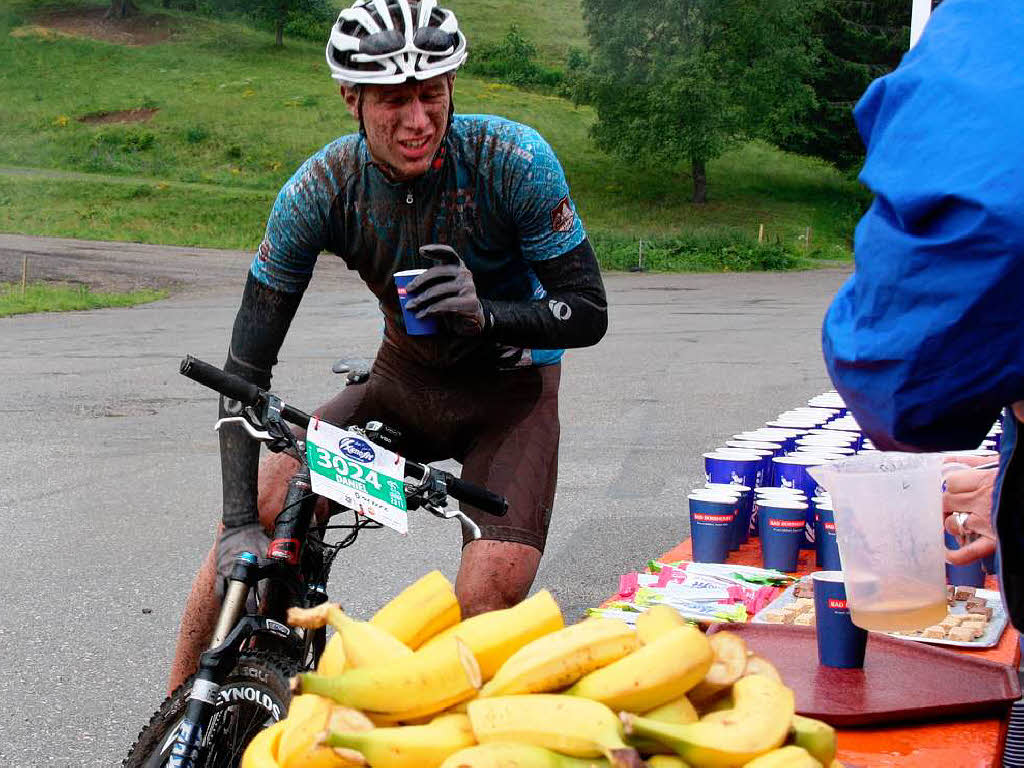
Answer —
(926, 340)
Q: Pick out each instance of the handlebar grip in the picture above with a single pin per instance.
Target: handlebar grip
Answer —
(488, 502)
(228, 384)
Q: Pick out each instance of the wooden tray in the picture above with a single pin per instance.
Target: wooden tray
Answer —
(900, 681)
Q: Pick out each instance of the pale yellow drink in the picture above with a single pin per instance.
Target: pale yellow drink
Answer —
(905, 606)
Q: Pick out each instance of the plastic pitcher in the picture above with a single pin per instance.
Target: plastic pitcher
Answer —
(888, 518)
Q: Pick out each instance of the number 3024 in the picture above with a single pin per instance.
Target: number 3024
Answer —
(329, 460)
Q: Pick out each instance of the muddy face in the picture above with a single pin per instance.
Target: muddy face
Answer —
(404, 123)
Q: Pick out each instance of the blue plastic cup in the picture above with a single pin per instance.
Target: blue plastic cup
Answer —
(712, 518)
(967, 575)
(732, 469)
(745, 505)
(841, 643)
(826, 546)
(791, 472)
(781, 526)
(413, 325)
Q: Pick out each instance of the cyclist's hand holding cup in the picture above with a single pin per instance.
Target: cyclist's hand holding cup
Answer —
(967, 508)
(446, 292)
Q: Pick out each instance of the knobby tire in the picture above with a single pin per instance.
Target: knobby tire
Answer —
(263, 677)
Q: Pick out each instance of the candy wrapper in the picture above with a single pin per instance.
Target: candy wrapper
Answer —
(702, 592)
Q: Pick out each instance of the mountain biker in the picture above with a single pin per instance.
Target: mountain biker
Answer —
(525, 285)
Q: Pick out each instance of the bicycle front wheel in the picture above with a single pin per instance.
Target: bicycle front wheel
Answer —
(256, 694)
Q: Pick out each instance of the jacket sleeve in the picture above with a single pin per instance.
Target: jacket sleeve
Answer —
(574, 313)
(926, 340)
(260, 326)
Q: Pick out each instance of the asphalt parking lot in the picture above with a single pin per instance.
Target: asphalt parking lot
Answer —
(109, 477)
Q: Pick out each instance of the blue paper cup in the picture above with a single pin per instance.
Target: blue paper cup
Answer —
(791, 472)
(745, 505)
(841, 643)
(732, 469)
(760, 445)
(781, 526)
(765, 468)
(787, 437)
(413, 325)
(732, 495)
(768, 494)
(712, 518)
(968, 575)
(831, 450)
(826, 546)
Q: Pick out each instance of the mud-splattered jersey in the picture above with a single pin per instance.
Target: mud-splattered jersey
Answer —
(496, 193)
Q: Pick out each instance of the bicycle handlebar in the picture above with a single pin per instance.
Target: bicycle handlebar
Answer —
(228, 384)
(248, 394)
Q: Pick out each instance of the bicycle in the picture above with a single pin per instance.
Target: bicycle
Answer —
(242, 684)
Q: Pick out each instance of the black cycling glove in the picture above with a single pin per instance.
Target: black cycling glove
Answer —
(447, 292)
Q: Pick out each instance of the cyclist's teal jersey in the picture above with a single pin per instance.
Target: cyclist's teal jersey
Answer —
(496, 193)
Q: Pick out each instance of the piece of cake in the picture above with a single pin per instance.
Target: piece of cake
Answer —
(952, 620)
(963, 593)
(950, 592)
(975, 602)
(804, 619)
(772, 618)
(978, 610)
(936, 632)
(804, 589)
(963, 634)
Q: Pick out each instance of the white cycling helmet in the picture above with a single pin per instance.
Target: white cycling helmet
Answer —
(382, 42)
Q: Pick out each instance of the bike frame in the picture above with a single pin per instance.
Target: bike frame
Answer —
(285, 576)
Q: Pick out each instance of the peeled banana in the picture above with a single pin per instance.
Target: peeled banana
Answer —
(423, 683)
(569, 725)
(559, 659)
(420, 611)
(654, 674)
(410, 746)
(496, 635)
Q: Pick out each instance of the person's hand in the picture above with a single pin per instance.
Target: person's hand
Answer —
(447, 292)
(967, 512)
(233, 541)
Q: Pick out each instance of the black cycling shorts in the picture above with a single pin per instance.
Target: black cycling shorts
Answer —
(502, 425)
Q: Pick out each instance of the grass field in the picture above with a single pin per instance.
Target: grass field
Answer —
(234, 117)
(39, 297)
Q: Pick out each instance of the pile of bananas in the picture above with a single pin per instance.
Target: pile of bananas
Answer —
(415, 687)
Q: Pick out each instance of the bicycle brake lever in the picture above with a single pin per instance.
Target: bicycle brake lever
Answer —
(470, 530)
(254, 433)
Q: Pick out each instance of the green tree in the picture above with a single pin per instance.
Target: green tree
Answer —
(280, 15)
(861, 40)
(679, 82)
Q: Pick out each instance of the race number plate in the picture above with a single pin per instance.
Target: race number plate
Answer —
(351, 470)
